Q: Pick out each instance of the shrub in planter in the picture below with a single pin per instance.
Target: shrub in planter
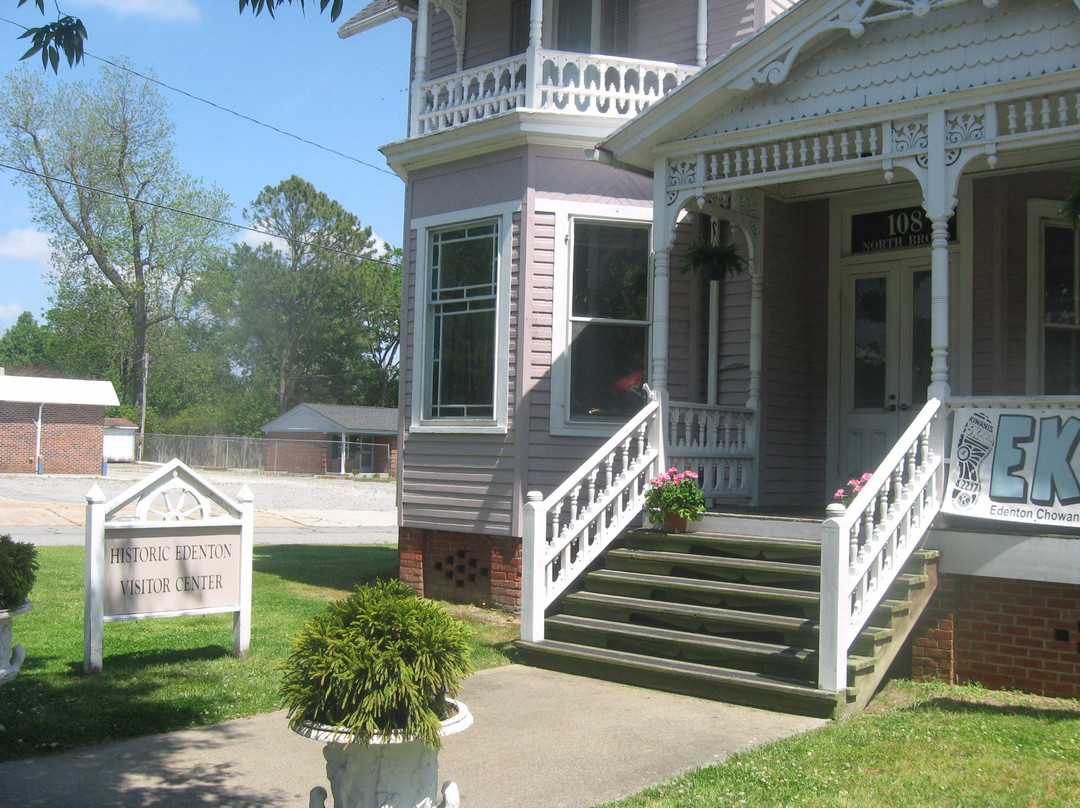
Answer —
(381, 662)
(18, 571)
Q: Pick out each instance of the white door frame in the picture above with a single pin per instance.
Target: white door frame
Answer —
(841, 209)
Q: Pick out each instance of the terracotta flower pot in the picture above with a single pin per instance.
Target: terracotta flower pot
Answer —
(673, 523)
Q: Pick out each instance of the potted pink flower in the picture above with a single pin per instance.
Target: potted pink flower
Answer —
(846, 494)
(674, 498)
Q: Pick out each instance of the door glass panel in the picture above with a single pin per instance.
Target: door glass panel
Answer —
(1062, 362)
(1061, 312)
(869, 362)
(1059, 285)
(920, 336)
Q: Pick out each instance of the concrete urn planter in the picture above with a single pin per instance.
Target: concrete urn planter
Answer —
(11, 657)
(388, 772)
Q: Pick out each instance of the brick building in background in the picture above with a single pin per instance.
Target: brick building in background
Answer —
(54, 426)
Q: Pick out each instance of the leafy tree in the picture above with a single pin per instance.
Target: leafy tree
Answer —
(310, 319)
(24, 343)
(132, 231)
(66, 34)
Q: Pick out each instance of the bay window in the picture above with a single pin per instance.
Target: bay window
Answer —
(462, 313)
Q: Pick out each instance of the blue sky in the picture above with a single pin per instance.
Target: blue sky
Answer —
(292, 72)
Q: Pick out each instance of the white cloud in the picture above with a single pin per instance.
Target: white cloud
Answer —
(10, 311)
(26, 244)
(253, 239)
(166, 10)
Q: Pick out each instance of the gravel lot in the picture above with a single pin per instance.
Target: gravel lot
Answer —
(272, 491)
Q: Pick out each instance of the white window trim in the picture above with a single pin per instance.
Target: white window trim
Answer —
(421, 366)
(565, 213)
(1038, 212)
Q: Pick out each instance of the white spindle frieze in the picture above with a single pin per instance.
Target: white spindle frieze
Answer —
(575, 83)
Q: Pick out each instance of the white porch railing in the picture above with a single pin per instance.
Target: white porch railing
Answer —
(865, 549)
(717, 443)
(566, 532)
(549, 81)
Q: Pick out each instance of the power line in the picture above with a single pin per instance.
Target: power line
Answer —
(222, 108)
(192, 214)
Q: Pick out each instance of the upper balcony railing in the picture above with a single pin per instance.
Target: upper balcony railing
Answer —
(546, 81)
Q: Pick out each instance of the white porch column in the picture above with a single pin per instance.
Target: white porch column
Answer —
(420, 57)
(661, 318)
(532, 55)
(757, 309)
(939, 204)
(702, 32)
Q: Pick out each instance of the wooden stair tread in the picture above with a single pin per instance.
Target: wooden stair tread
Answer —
(711, 537)
(790, 568)
(748, 679)
(784, 653)
(722, 587)
(758, 620)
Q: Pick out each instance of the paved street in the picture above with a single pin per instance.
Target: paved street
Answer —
(51, 509)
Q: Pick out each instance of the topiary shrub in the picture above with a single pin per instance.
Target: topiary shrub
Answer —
(380, 662)
(18, 571)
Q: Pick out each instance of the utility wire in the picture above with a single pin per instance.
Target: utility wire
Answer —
(193, 215)
(217, 106)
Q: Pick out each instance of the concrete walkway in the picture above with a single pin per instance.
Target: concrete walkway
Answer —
(539, 739)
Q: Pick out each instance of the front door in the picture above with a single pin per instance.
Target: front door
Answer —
(885, 357)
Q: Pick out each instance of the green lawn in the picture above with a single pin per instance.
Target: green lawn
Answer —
(177, 673)
(926, 745)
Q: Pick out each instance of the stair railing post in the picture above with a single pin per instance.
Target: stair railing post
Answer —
(833, 646)
(533, 544)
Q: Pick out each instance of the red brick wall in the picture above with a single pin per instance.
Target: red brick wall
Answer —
(301, 452)
(1022, 635)
(461, 567)
(72, 438)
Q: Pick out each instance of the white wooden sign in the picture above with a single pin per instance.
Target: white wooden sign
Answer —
(169, 546)
(1016, 465)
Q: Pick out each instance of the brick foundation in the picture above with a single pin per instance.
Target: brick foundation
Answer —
(461, 567)
(1004, 634)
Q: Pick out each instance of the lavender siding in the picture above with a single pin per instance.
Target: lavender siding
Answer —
(792, 433)
(664, 30)
(728, 23)
(487, 32)
(442, 57)
(661, 30)
(999, 277)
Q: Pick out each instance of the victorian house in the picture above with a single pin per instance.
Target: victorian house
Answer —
(904, 303)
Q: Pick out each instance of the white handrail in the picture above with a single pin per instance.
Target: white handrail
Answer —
(566, 532)
(865, 549)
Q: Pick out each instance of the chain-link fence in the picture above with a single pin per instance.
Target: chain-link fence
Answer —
(362, 455)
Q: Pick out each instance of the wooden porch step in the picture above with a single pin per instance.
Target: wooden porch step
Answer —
(708, 567)
(690, 678)
(730, 622)
(767, 548)
(793, 661)
(769, 599)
